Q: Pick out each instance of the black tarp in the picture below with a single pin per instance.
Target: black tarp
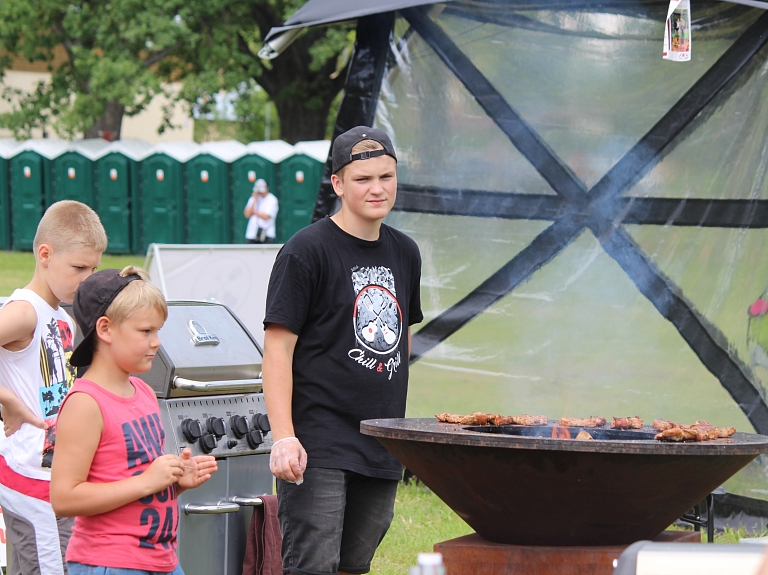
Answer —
(322, 12)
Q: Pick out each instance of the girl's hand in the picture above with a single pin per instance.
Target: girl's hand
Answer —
(162, 472)
(197, 469)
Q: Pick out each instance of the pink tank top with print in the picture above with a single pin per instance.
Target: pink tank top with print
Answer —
(141, 534)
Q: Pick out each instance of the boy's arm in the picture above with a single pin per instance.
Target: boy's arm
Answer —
(18, 321)
(78, 432)
(289, 460)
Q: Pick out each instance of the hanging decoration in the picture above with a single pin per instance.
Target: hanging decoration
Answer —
(677, 33)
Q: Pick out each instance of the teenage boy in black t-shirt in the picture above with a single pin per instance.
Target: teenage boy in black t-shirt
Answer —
(342, 297)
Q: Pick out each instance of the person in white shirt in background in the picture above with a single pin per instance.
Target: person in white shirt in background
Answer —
(261, 211)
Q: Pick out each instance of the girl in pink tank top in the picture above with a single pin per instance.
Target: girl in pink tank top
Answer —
(109, 467)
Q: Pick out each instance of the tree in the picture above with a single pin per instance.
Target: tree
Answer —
(117, 54)
(302, 82)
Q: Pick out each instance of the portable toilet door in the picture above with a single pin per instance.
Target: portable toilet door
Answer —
(261, 161)
(73, 177)
(300, 177)
(31, 190)
(209, 194)
(7, 147)
(117, 191)
(163, 193)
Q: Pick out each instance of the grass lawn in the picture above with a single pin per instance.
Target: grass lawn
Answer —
(16, 268)
(421, 520)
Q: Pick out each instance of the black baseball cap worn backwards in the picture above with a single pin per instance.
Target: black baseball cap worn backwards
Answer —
(343, 144)
(92, 299)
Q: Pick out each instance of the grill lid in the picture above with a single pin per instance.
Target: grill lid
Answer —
(204, 342)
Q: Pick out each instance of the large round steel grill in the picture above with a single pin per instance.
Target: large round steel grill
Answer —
(519, 485)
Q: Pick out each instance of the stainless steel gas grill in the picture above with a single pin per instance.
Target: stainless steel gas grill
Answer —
(207, 376)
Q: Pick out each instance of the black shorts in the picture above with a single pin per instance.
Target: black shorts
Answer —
(334, 521)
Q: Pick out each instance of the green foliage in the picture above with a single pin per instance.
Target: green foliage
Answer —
(256, 119)
(252, 108)
(117, 53)
(302, 82)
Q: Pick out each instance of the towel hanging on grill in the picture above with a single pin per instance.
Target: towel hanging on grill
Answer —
(262, 548)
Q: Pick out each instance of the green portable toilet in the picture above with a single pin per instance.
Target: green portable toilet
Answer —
(209, 192)
(300, 177)
(31, 189)
(118, 201)
(163, 193)
(7, 148)
(73, 177)
(261, 161)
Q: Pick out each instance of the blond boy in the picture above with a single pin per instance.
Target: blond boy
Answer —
(36, 340)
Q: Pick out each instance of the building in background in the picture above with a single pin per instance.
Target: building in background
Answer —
(25, 76)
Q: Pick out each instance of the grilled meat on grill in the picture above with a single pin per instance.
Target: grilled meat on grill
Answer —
(680, 434)
(699, 431)
(592, 421)
(519, 420)
(479, 418)
(713, 432)
(663, 424)
(627, 422)
(449, 417)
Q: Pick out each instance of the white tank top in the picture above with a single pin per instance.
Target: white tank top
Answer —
(40, 376)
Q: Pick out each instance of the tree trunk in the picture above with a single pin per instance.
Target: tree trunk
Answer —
(299, 122)
(108, 126)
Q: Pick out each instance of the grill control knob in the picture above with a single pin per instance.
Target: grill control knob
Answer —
(208, 443)
(191, 429)
(239, 426)
(231, 444)
(261, 421)
(215, 426)
(254, 438)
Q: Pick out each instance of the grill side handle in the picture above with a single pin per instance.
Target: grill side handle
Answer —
(220, 507)
(225, 386)
(248, 501)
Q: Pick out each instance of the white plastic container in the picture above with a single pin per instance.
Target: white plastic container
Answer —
(428, 564)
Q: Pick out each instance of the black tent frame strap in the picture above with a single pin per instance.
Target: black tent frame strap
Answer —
(361, 92)
(696, 212)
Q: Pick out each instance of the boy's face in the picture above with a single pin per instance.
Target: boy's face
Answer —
(65, 270)
(369, 187)
(135, 341)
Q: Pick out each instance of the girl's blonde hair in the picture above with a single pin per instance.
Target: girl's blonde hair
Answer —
(139, 294)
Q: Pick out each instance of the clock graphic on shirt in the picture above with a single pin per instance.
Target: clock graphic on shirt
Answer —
(377, 319)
